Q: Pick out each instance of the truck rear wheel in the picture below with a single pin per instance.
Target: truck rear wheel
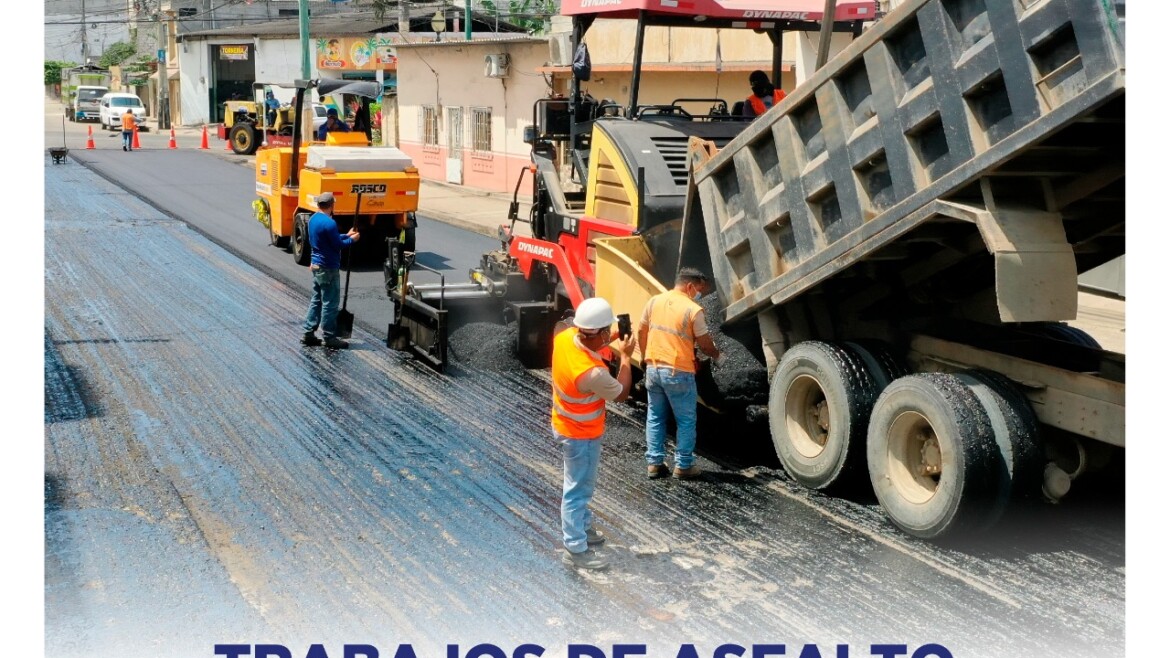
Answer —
(302, 252)
(818, 409)
(243, 139)
(1017, 433)
(933, 458)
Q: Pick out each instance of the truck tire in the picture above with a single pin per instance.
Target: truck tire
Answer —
(243, 139)
(1067, 333)
(1017, 433)
(933, 457)
(302, 252)
(879, 359)
(818, 410)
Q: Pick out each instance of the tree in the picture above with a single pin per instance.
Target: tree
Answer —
(53, 71)
(138, 71)
(117, 53)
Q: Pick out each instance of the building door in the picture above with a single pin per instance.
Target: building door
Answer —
(455, 145)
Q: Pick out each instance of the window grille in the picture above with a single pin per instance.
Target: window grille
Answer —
(481, 131)
(429, 128)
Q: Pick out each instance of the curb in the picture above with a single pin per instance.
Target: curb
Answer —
(457, 222)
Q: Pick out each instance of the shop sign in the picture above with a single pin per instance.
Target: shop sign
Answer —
(355, 54)
(233, 52)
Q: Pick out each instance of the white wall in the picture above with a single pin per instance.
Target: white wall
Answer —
(279, 61)
(193, 61)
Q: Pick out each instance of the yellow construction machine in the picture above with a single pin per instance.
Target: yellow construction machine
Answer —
(375, 188)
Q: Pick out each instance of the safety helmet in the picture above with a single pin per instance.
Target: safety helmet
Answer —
(594, 313)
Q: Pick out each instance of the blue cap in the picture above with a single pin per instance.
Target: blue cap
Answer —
(332, 112)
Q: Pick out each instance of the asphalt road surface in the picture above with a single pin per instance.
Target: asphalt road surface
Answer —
(208, 480)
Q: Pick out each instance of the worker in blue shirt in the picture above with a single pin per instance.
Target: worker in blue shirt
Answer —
(332, 124)
(271, 105)
(327, 242)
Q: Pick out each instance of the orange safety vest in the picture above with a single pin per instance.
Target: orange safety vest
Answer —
(670, 340)
(575, 414)
(758, 103)
(128, 122)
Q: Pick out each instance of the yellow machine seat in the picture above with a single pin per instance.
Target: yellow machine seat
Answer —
(346, 139)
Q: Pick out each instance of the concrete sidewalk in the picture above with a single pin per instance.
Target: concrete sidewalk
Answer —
(470, 209)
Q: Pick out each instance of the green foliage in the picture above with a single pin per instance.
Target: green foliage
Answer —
(136, 72)
(117, 53)
(529, 14)
(53, 71)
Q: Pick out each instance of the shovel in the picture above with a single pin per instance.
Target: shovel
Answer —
(344, 317)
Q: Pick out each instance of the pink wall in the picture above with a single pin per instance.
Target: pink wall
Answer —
(495, 173)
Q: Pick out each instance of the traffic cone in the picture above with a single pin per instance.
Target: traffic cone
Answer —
(89, 142)
(135, 145)
(203, 142)
(227, 144)
(172, 143)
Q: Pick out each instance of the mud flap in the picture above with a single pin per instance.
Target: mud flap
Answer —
(420, 329)
(534, 331)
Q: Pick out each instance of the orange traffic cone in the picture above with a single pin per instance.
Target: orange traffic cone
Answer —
(89, 142)
(227, 144)
(203, 142)
(135, 145)
(172, 143)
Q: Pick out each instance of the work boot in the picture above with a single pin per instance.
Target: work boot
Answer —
(310, 339)
(587, 559)
(655, 471)
(594, 537)
(336, 343)
(689, 473)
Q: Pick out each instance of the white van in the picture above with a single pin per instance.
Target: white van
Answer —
(115, 104)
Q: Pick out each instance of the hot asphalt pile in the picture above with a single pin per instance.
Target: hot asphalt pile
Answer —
(741, 379)
(485, 345)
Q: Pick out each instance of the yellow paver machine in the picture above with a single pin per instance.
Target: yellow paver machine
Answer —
(375, 188)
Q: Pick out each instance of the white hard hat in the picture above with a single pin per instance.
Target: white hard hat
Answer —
(594, 313)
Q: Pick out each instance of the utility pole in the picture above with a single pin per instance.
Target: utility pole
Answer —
(303, 16)
(404, 20)
(84, 39)
(467, 20)
(164, 110)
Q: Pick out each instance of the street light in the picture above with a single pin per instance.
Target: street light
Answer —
(439, 24)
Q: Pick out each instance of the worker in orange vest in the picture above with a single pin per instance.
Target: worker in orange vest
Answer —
(672, 324)
(581, 384)
(764, 95)
(129, 125)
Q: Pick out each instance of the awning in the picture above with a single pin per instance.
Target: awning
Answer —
(735, 10)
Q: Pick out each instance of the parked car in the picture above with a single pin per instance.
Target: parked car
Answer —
(320, 114)
(115, 104)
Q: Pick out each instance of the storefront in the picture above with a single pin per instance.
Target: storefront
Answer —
(233, 70)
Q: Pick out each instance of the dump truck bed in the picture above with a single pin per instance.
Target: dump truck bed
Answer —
(951, 128)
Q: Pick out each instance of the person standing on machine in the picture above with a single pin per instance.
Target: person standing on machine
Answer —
(764, 96)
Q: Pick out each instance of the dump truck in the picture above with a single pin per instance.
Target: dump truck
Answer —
(375, 189)
(902, 234)
(82, 90)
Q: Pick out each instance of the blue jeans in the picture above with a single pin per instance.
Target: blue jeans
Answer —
(324, 303)
(127, 141)
(582, 457)
(669, 390)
